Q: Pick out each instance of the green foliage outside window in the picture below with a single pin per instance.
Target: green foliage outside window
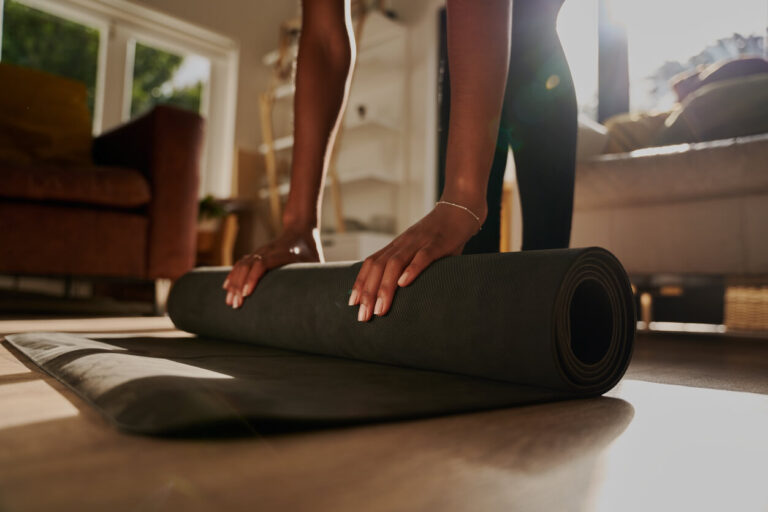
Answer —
(35, 39)
(153, 70)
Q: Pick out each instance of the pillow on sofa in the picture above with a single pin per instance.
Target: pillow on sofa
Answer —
(43, 117)
(689, 82)
(628, 132)
(722, 110)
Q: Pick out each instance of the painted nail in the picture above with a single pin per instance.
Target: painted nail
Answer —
(353, 298)
(403, 279)
(362, 313)
(229, 298)
(246, 290)
(226, 283)
(378, 307)
(236, 302)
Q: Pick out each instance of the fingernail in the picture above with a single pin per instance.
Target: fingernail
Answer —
(229, 298)
(236, 302)
(403, 279)
(378, 307)
(246, 290)
(361, 313)
(226, 283)
(353, 298)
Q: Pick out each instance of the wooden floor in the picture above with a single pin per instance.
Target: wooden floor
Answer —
(687, 429)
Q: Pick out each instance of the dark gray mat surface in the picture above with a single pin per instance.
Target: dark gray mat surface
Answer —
(473, 332)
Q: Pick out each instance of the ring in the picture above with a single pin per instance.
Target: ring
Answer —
(251, 257)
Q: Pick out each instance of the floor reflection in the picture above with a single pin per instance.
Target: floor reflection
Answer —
(29, 402)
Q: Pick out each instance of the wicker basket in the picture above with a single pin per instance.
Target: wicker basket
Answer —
(746, 305)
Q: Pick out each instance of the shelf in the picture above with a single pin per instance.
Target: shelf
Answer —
(270, 59)
(353, 122)
(346, 178)
(370, 152)
(284, 91)
(350, 123)
(279, 144)
(379, 29)
(353, 245)
(371, 71)
(359, 176)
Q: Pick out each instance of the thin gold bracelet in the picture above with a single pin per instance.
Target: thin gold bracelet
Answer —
(477, 217)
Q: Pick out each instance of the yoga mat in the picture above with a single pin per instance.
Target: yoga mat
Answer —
(472, 332)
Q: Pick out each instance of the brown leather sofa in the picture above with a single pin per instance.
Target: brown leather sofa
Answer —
(131, 214)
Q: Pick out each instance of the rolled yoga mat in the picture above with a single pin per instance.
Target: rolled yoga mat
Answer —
(472, 332)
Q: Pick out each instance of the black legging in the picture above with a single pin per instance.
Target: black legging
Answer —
(539, 122)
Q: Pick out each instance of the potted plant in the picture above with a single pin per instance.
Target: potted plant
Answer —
(209, 215)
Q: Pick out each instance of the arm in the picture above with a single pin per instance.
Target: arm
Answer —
(478, 55)
(323, 72)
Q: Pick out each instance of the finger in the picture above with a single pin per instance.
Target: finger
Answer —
(357, 287)
(238, 274)
(228, 281)
(258, 269)
(423, 258)
(388, 286)
(370, 290)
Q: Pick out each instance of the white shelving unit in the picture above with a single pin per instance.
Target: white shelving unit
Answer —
(370, 159)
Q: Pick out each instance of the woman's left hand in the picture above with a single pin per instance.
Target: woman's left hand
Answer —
(442, 232)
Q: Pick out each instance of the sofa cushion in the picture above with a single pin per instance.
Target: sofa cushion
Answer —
(51, 239)
(729, 108)
(636, 130)
(686, 172)
(84, 184)
(43, 117)
(690, 81)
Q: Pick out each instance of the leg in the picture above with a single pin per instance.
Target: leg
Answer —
(489, 237)
(540, 116)
(162, 289)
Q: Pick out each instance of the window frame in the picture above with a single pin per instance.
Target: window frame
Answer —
(120, 24)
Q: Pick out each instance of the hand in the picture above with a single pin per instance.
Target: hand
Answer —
(443, 232)
(290, 247)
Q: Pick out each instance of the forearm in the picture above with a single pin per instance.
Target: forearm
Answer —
(478, 55)
(325, 60)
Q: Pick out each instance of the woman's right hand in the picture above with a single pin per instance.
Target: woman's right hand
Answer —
(290, 247)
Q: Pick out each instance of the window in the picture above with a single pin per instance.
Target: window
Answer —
(577, 28)
(39, 40)
(664, 38)
(165, 78)
(132, 58)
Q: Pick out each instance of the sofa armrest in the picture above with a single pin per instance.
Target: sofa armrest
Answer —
(166, 145)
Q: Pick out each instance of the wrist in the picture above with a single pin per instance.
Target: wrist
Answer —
(475, 203)
(300, 230)
(299, 222)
